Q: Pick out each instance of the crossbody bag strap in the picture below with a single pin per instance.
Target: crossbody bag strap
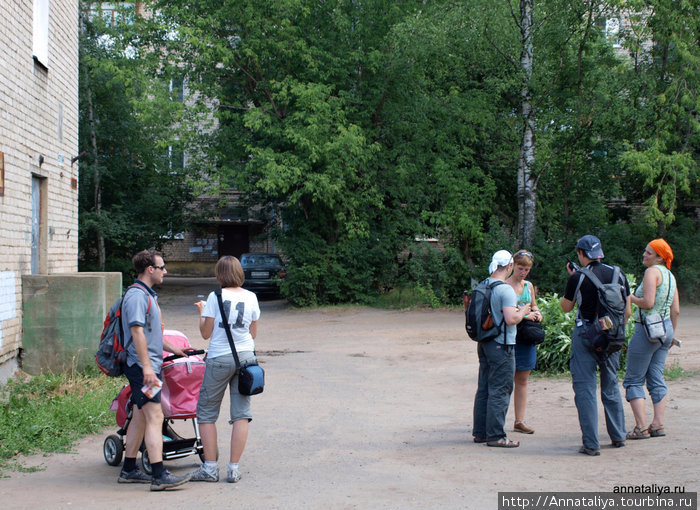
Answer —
(227, 327)
(668, 293)
(577, 294)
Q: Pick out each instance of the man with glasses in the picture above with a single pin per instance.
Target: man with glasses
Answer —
(144, 345)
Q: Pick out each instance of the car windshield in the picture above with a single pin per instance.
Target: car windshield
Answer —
(263, 259)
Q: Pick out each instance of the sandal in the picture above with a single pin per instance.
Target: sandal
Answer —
(504, 442)
(520, 426)
(638, 433)
(656, 431)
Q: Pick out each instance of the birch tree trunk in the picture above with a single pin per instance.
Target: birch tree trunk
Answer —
(527, 184)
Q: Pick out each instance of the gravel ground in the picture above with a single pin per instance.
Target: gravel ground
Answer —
(367, 408)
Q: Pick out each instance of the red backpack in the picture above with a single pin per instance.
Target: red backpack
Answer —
(110, 355)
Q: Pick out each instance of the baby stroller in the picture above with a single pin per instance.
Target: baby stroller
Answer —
(182, 379)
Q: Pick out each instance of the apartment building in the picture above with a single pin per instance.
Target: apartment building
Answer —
(38, 149)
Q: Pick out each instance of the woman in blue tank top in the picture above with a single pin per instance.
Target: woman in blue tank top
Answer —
(525, 355)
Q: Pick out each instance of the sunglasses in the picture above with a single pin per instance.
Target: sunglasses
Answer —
(524, 254)
(159, 267)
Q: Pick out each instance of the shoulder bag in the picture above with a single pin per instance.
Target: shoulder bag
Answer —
(653, 323)
(251, 376)
(529, 333)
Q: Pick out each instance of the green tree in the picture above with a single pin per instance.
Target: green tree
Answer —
(298, 89)
(442, 130)
(355, 128)
(661, 144)
(133, 184)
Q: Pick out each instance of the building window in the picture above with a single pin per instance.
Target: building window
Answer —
(40, 42)
(115, 13)
(176, 160)
(177, 89)
(612, 31)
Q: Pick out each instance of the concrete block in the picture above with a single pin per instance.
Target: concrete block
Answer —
(63, 318)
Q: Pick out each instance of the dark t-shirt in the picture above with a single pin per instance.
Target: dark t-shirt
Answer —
(588, 306)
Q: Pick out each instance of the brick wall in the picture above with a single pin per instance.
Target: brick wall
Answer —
(38, 120)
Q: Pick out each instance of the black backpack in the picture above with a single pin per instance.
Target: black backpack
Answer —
(613, 302)
(110, 355)
(479, 320)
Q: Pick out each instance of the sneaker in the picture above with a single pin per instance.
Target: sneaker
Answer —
(618, 444)
(202, 475)
(135, 476)
(233, 475)
(593, 452)
(168, 481)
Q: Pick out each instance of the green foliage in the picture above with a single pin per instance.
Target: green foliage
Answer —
(676, 371)
(356, 127)
(408, 296)
(684, 237)
(554, 353)
(134, 132)
(48, 413)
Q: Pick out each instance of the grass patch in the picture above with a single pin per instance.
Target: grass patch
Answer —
(675, 371)
(49, 412)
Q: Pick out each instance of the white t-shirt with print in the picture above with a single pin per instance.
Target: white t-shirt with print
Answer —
(242, 308)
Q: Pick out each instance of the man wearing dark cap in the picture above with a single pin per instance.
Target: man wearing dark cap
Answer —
(584, 359)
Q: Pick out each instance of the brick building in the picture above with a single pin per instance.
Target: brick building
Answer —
(38, 139)
(230, 229)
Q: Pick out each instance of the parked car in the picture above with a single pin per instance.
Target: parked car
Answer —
(263, 272)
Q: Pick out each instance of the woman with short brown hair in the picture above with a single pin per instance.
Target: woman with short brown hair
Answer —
(525, 354)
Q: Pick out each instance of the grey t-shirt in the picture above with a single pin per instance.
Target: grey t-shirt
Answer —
(503, 295)
(140, 308)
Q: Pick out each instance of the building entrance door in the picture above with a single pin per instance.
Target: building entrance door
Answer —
(37, 199)
(233, 240)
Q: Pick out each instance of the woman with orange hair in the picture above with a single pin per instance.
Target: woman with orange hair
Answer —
(646, 356)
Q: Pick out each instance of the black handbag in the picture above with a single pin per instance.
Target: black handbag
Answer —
(529, 333)
(251, 376)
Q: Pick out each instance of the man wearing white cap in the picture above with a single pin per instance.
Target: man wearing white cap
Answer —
(584, 360)
(497, 359)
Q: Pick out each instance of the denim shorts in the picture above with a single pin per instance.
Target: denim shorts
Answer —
(525, 357)
(221, 373)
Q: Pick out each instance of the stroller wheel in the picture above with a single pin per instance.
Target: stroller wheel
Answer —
(113, 450)
(146, 462)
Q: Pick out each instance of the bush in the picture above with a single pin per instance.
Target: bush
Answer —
(554, 353)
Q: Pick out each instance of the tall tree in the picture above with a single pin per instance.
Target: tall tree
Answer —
(661, 143)
(298, 90)
(132, 182)
(527, 183)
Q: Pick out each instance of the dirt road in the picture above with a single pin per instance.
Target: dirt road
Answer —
(368, 408)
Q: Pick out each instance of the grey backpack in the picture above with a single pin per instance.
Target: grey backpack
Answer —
(613, 300)
(479, 319)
